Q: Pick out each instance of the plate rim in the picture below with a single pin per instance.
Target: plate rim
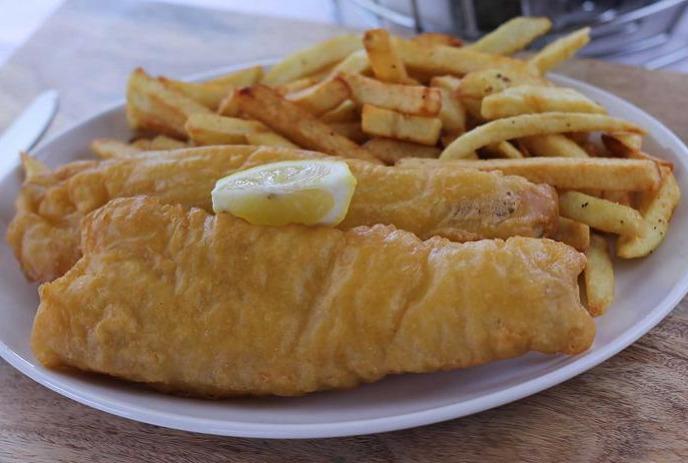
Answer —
(437, 414)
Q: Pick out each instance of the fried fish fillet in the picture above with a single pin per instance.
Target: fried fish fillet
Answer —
(213, 306)
(461, 205)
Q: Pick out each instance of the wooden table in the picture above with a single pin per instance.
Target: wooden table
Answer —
(633, 407)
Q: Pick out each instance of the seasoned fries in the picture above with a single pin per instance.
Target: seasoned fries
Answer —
(162, 142)
(210, 129)
(437, 38)
(314, 59)
(345, 112)
(386, 123)
(321, 98)
(600, 214)
(441, 59)
(383, 57)
(351, 130)
(553, 145)
(512, 36)
(390, 151)
(240, 78)
(268, 139)
(532, 124)
(297, 124)
(628, 146)
(505, 149)
(575, 234)
(568, 173)
(209, 95)
(409, 99)
(526, 99)
(430, 102)
(598, 276)
(154, 107)
(657, 209)
(560, 50)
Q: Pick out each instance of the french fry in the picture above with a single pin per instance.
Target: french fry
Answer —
(240, 78)
(476, 85)
(624, 145)
(211, 129)
(630, 140)
(512, 36)
(452, 112)
(229, 106)
(441, 59)
(568, 173)
(479, 84)
(390, 151)
(153, 107)
(559, 51)
(268, 139)
(351, 130)
(575, 234)
(657, 209)
(345, 112)
(505, 150)
(296, 85)
(450, 83)
(107, 148)
(386, 64)
(313, 59)
(553, 145)
(600, 214)
(209, 95)
(321, 98)
(409, 99)
(598, 276)
(161, 143)
(527, 125)
(387, 123)
(296, 124)
(437, 38)
(356, 63)
(526, 99)
(619, 197)
(158, 143)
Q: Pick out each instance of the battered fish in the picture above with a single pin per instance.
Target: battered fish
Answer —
(213, 306)
(461, 205)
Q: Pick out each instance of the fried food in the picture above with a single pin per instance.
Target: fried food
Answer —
(512, 36)
(382, 122)
(212, 306)
(565, 173)
(460, 204)
(297, 124)
(526, 125)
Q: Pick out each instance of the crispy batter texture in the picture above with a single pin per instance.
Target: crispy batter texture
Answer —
(460, 204)
(193, 315)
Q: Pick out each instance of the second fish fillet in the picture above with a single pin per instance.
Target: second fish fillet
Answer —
(459, 204)
(213, 306)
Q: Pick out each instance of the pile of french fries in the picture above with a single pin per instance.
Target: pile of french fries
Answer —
(433, 102)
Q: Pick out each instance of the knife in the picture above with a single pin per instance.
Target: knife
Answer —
(27, 129)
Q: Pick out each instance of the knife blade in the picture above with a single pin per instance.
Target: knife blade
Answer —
(27, 129)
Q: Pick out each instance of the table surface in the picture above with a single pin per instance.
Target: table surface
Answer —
(634, 407)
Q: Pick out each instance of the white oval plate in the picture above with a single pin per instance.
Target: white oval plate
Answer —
(647, 290)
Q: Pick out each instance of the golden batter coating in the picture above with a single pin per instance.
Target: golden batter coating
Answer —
(213, 306)
(459, 204)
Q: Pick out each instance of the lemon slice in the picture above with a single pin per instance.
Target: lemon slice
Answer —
(309, 192)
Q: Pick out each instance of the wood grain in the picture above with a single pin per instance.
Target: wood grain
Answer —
(632, 408)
